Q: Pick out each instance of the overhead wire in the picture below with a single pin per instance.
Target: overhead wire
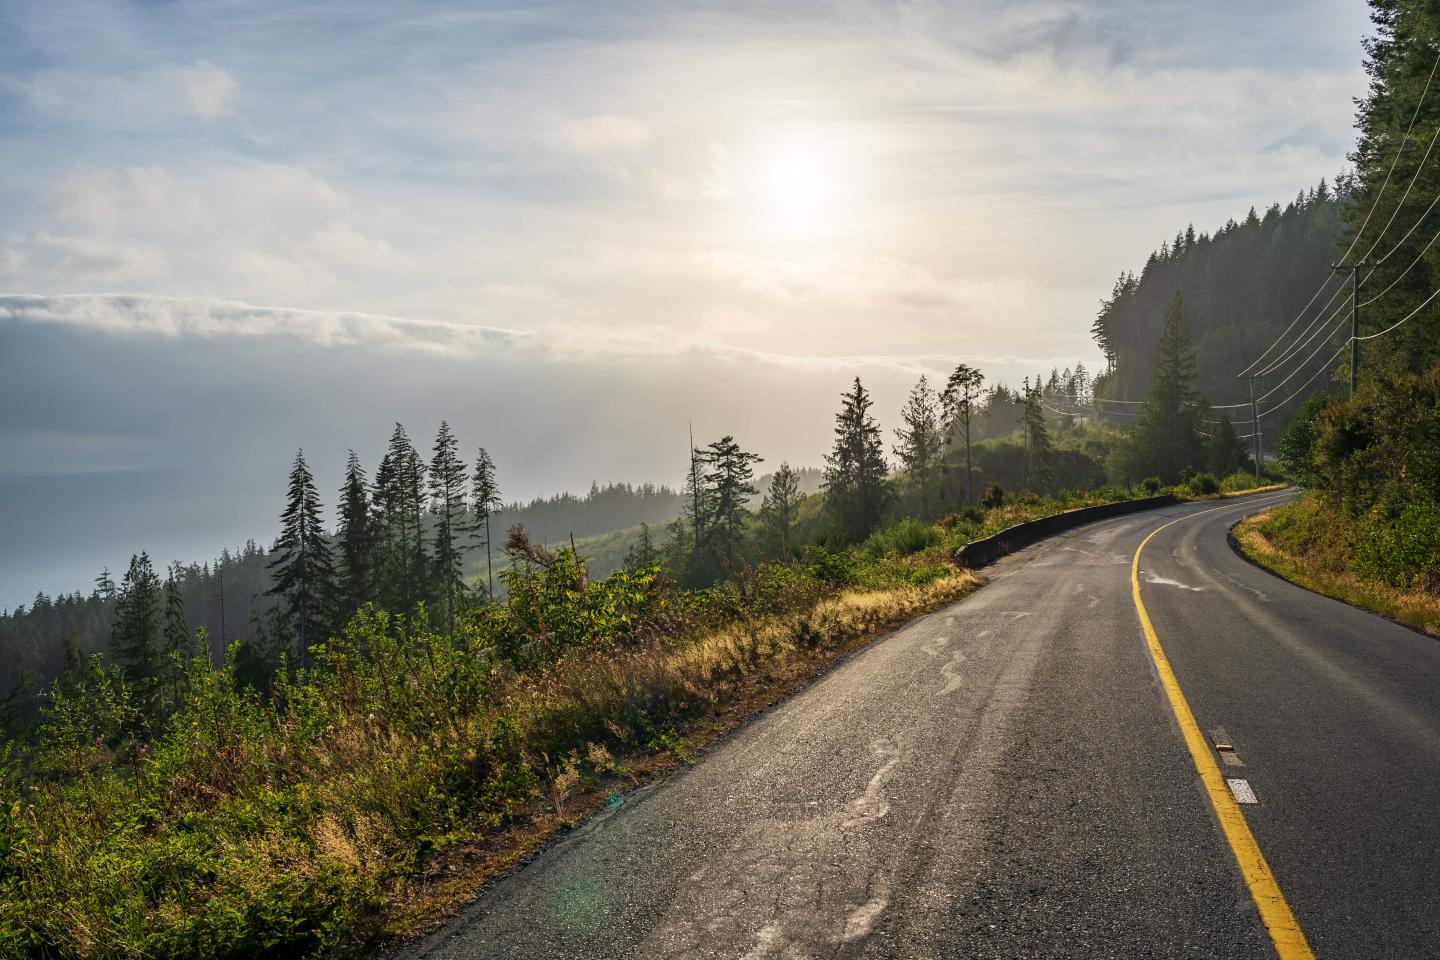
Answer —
(1374, 205)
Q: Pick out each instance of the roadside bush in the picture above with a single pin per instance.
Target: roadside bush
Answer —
(994, 496)
(1237, 481)
(1150, 485)
(1203, 485)
(1401, 547)
(902, 539)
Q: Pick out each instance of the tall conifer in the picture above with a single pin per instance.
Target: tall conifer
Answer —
(303, 569)
(447, 502)
(357, 542)
(919, 448)
(135, 640)
(855, 469)
(484, 500)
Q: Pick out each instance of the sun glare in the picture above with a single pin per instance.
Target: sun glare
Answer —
(802, 188)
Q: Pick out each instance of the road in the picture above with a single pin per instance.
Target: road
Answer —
(1006, 778)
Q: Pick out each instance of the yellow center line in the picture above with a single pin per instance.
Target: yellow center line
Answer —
(1275, 912)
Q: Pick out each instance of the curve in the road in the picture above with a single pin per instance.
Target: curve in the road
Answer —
(1005, 778)
(1274, 909)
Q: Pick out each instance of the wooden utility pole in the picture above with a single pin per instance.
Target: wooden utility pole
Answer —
(1354, 269)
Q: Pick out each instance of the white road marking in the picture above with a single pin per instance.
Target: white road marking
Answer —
(1167, 582)
(1241, 790)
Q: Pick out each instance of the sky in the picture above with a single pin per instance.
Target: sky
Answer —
(230, 230)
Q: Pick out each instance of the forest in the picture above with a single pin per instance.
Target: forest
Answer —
(1369, 455)
(1240, 285)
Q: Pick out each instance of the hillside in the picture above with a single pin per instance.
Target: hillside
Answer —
(1242, 286)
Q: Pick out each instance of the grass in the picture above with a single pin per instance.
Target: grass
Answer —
(1414, 608)
(370, 795)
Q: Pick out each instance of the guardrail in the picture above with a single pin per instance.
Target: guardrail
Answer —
(978, 553)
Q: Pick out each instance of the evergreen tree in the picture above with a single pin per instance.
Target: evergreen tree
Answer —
(642, 552)
(400, 501)
(484, 500)
(303, 569)
(698, 507)
(104, 586)
(1167, 435)
(179, 644)
(855, 468)
(357, 538)
(778, 511)
(1038, 453)
(958, 402)
(730, 472)
(447, 500)
(920, 447)
(74, 662)
(1226, 453)
(135, 640)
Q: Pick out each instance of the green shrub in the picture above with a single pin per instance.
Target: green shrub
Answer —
(1203, 485)
(1150, 485)
(829, 566)
(1239, 480)
(993, 497)
(910, 536)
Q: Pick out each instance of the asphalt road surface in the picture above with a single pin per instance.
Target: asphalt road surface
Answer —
(1006, 778)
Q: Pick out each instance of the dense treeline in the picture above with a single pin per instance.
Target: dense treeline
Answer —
(1241, 286)
(1372, 459)
(604, 508)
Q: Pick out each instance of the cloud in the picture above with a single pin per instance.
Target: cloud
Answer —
(172, 317)
(603, 132)
(98, 257)
(157, 96)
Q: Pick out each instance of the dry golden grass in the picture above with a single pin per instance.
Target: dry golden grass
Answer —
(1413, 608)
(724, 677)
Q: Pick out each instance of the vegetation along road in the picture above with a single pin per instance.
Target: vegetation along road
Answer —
(1007, 777)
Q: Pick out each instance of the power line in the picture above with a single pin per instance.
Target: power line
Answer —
(1303, 386)
(1276, 388)
(1418, 258)
(1402, 320)
(1309, 335)
(1374, 204)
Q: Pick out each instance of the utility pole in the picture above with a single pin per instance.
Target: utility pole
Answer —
(1354, 269)
(1255, 428)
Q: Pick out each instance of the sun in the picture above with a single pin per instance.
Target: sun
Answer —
(801, 187)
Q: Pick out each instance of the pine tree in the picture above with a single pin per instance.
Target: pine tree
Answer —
(104, 586)
(357, 538)
(73, 665)
(303, 569)
(698, 507)
(400, 500)
(1225, 454)
(447, 502)
(135, 640)
(779, 509)
(855, 468)
(179, 644)
(958, 400)
(1167, 434)
(484, 499)
(1038, 454)
(728, 479)
(920, 447)
(642, 552)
